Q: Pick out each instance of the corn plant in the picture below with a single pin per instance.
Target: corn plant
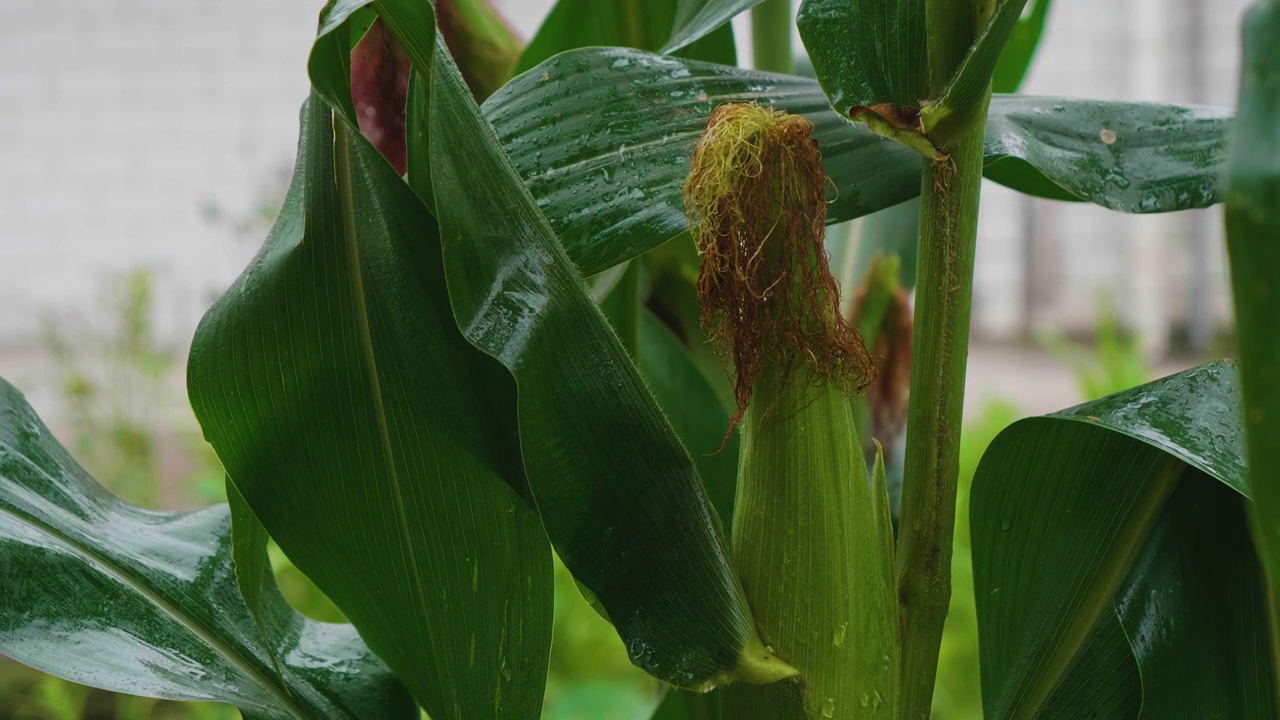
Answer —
(594, 315)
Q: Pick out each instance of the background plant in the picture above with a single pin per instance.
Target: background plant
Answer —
(570, 425)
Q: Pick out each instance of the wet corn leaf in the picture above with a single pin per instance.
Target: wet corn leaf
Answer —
(1131, 505)
(867, 52)
(603, 137)
(618, 493)
(1253, 226)
(317, 378)
(103, 593)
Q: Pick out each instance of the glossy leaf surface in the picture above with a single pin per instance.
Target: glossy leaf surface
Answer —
(603, 138)
(100, 592)
(1069, 521)
(618, 493)
(867, 52)
(318, 380)
(1194, 610)
(1253, 227)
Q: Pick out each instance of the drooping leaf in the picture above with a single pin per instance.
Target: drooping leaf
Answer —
(603, 139)
(318, 380)
(1064, 504)
(618, 494)
(966, 92)
(1059, 511)
(100, 592)
(867, 52)
(1194, 610)
(1253, 226)
(638, 24)
(1020, 48)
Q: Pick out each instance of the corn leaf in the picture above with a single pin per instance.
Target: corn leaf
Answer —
(603, 136)
(867, 52)
(316, 378)
(1104, 509)
(103, 593)
(618, 493)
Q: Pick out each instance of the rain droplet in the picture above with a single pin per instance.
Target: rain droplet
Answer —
(829, 708)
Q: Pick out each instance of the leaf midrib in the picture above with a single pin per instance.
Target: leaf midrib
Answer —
(342, 173)
(140, 586)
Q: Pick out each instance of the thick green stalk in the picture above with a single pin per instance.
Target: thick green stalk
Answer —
(771, 36)
(944, 294)
(949, 195)
(811, 546)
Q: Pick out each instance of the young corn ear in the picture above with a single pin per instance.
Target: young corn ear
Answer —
(812, 540)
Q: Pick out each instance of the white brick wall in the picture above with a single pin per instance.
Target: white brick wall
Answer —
(146, 132)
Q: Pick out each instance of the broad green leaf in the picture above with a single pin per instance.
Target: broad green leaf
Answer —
(1194, 610)
(249, 556)
(867, 52)
(694, 411)
(619, 496)
(1064, 504)
(1102, 680)
(639, 24)
(695, 19)
(603, 139)
(1019, 50)
(1253, 226)
(1130, 157)
(1059, 511)
(966, 92)
(317, 378)
(103, 593)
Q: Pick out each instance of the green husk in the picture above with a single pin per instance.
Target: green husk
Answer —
(811, 542)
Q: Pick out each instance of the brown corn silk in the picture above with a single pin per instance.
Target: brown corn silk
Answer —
(756, 199)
